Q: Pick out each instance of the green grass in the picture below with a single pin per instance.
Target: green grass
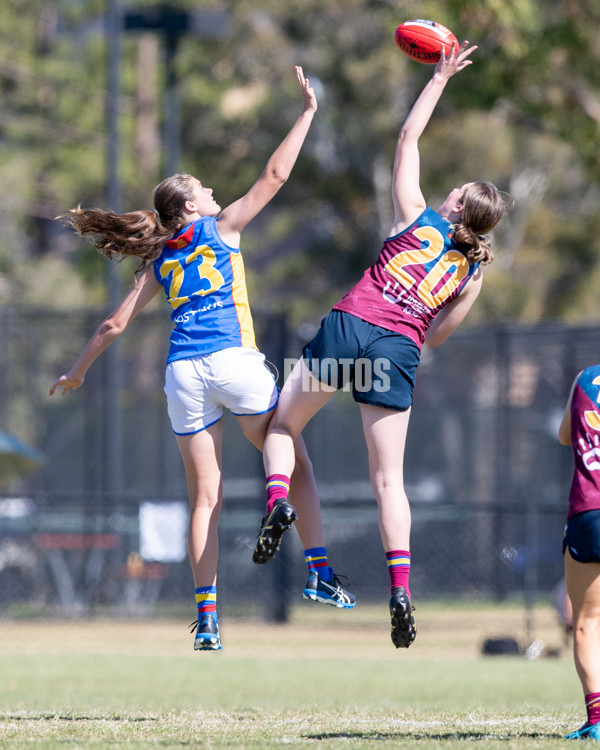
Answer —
(329, 679)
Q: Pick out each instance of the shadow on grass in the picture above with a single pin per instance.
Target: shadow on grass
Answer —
(440, 736)
(74, 717)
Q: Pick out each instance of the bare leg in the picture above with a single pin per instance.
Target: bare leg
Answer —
(583, 586)
(201, 455)
(285, 452)
(301, 398)
(303, 488)
(305, 497)
(385, 433)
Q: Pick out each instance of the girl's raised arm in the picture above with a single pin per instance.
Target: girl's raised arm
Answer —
(406, 190)
(235, 217)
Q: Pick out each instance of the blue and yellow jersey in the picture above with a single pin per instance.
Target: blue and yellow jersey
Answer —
(205, 284)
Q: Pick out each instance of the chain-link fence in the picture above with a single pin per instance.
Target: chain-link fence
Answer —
(100, 526)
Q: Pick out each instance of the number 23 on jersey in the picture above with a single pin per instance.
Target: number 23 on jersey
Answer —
(211, 278)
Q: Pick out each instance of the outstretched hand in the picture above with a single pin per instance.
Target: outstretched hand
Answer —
(454, 59)
(308, 93)
(66, 382)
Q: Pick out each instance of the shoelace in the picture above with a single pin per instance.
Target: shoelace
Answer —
(341, 580)
(193, 626)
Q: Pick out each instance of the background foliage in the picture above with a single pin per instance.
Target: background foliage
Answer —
(525, 115)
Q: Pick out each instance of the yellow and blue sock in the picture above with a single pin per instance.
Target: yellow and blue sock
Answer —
(316, 559)
(206, 599)
(398, 562)
(278, 486)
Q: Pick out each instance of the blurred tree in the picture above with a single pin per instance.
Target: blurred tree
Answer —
(524, 115)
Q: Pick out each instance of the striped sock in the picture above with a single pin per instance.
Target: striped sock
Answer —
(316, 559)
(206, 599)
(398, 561)
(592, 706)
(278, 486)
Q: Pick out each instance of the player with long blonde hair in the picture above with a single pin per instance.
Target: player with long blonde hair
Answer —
(189, 248)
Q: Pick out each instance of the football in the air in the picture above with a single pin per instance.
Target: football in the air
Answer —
(423, 40)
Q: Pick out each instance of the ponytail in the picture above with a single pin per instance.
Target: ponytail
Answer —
(477, 248)
(483, 207)
(117, 236)
(141, 234)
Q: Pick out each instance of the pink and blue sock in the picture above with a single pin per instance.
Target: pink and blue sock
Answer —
(316, 559)
(278, 486)
(206, 599)
(592, 706)
(398, 562)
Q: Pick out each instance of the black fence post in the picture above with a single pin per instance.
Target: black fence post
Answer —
(276, 601)
(502, 459)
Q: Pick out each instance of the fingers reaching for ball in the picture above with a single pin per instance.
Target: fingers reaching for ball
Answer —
(454, 59)
(309, 98)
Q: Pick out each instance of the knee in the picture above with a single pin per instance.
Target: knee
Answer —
(586, 627)
(302, 459)
(282, 428)
(203, 502)
(301, 456)
(388, 484)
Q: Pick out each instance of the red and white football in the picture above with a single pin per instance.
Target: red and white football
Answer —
(423, 40)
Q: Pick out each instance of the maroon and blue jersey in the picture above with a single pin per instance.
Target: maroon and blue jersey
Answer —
(585, 439)
(205, 284)
(418, 272)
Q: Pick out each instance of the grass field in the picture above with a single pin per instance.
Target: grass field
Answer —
(328, 678)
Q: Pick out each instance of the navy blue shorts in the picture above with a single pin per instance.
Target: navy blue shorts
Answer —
(582, 536)
(379, 365)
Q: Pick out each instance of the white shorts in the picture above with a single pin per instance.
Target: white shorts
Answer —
(198, 388)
